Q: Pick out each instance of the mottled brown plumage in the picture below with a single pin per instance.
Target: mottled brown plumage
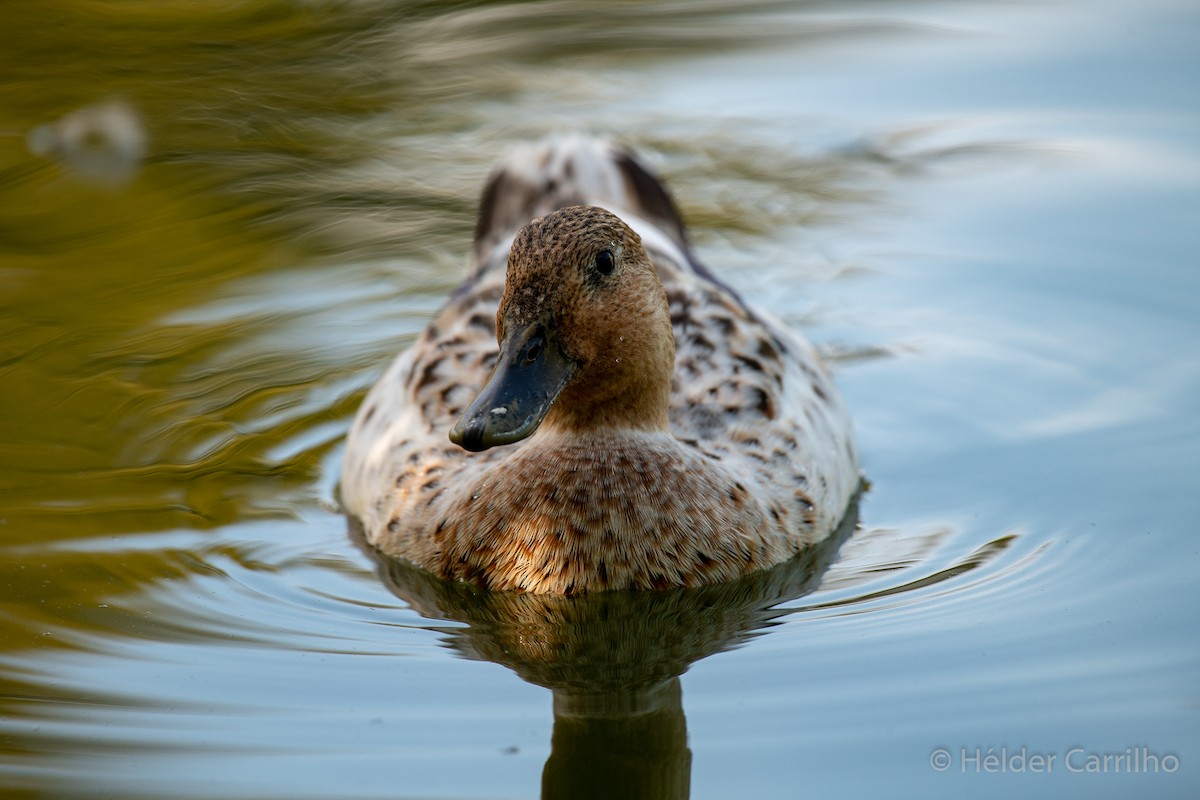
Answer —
(669, 434)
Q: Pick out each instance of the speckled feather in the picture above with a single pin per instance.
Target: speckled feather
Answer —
(753, 462)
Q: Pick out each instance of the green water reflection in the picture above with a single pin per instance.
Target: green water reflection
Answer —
(180, 185)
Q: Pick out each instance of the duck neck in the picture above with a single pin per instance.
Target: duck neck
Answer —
(630, 408)
(626, 385)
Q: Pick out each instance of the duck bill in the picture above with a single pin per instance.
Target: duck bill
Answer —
(530, 373)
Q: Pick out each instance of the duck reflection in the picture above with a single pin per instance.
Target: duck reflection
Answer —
(613, 661)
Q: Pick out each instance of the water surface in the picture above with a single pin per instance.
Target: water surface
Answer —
(218, 222)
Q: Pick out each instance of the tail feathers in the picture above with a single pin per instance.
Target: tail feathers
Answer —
(564, 171)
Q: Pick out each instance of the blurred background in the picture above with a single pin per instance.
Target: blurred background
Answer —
(219, 220)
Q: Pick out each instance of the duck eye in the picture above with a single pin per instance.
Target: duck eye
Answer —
(533, 350)
(605, 263)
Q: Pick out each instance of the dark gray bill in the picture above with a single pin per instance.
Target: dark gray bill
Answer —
(529, 375)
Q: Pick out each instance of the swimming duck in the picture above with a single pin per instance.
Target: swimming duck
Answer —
(638, 426)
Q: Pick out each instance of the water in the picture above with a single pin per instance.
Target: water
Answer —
(218, 223)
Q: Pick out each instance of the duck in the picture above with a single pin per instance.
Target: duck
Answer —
(593, 409)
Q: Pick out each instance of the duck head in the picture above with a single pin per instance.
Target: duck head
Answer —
(584, 331)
